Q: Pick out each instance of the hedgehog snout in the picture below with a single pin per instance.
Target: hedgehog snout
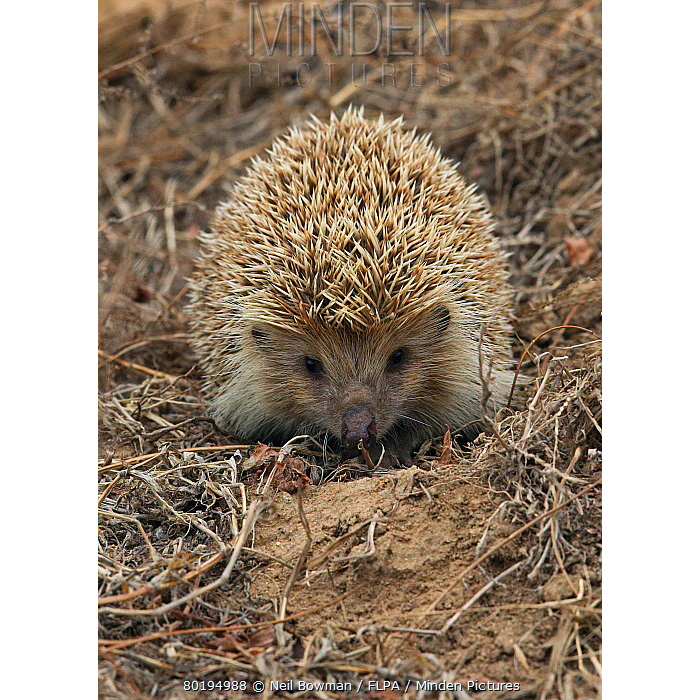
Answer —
(358, 424)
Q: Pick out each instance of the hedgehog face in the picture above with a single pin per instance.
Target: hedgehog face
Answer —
(355, 386)
(357, 389)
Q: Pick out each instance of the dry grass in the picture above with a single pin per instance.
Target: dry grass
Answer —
(207, 571)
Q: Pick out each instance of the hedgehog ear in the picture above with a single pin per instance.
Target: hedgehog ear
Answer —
(261, 337)
(440, 319)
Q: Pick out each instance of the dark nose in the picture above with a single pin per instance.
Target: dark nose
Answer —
(358, 424)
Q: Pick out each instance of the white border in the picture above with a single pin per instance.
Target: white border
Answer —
(650, 316)
(49, 320)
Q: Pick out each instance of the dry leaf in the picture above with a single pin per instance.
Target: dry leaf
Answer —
(579, 250)
(446, 453)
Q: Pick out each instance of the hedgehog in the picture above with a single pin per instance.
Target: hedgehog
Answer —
(351, 287)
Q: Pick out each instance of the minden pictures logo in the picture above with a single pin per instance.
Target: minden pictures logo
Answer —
(288, 44)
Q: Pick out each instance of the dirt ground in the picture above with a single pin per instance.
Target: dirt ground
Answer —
(479, 564)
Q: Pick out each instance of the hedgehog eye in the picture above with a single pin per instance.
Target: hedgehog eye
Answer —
(313, 366)
(396, 359)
